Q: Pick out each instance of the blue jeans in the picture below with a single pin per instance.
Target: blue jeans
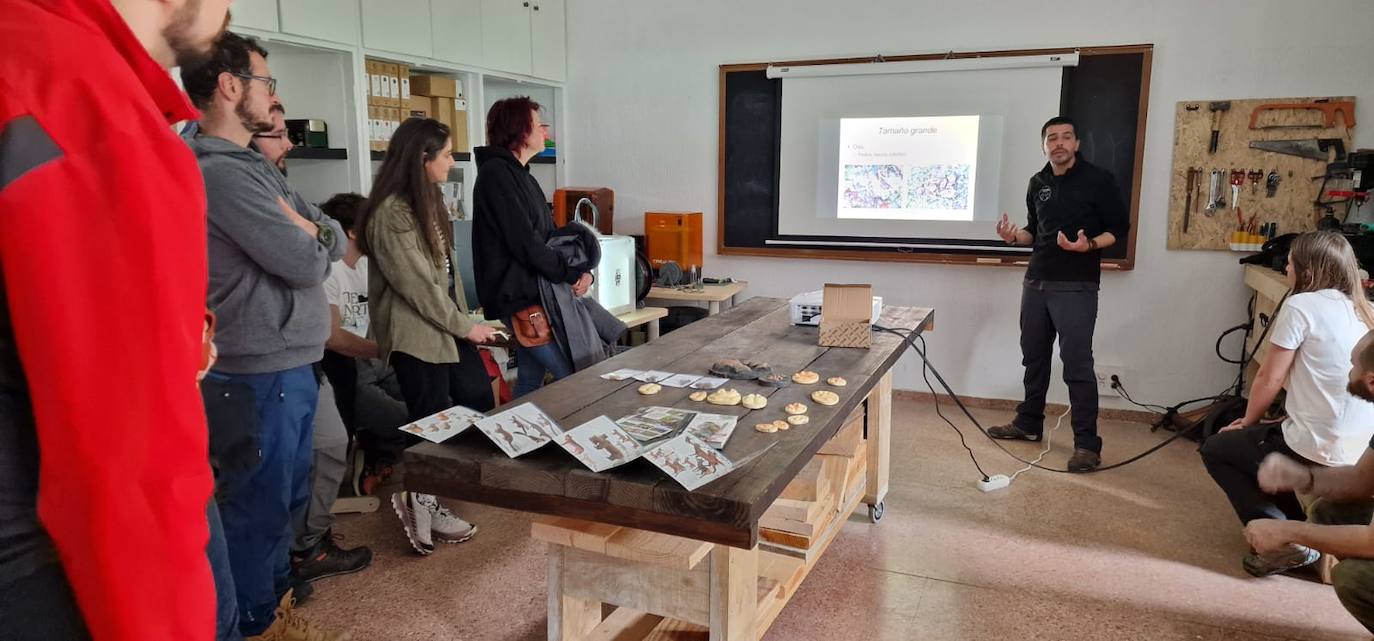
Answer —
(534, 362)
(226, 604)
(262, 500)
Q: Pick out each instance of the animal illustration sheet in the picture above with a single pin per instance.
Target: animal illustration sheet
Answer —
(715, 429)
(680, 380)
(600, 444)
(520, 429)
(650, 423)
(443, 425)
(652, 376)
(690, 461)
(709, 382)
(622, 374)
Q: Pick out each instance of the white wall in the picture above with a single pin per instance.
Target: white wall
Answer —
(642, 102)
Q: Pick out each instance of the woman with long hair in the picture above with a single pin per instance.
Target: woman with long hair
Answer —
(1310, 345)
(511, 226)
(422, 330)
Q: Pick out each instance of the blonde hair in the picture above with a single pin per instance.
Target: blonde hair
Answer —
(1325, 260)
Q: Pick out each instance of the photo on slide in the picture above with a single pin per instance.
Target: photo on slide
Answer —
(873, 186)
(943, 187)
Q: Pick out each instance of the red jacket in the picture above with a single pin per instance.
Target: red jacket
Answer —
(102, 250)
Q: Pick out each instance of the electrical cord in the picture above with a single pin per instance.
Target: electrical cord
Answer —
(936, 399)
(1049, 437)
(926, 365)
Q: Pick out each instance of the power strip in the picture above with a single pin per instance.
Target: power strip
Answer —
(994, 482)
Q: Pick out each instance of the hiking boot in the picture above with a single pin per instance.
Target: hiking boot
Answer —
(332, 560)
(1084, 460)
(1289, 557)
(448, 527)
(374, 478)
(416, 518)
(302, 590)
(1010, 432)
(290, 626)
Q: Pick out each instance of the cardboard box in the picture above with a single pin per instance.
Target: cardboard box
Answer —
(458, 125)
(404, 76)
(374, 128)
(433, 86)
(418, 107)
(394, 77)
(374, 81)
(846, 315)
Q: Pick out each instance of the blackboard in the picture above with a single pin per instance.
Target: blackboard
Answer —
(1106, 93)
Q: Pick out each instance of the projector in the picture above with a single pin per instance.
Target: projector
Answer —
(806, 308)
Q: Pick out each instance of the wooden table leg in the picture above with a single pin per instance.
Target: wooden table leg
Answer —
(653, 329)
(734, 593)
(879, 444)
(570, 618)
(713, 308)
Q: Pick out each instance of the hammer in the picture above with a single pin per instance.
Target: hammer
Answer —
(1216, 108)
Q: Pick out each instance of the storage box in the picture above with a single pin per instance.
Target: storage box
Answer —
(393, 71)
(404, 76)
(419, 107)
(374, 81)
(433, 86)
(845, 316)
(374, 128)
(565, 203)
(458, 125)
(673, 236)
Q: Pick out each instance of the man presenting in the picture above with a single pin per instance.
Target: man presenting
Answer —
(1074, 211)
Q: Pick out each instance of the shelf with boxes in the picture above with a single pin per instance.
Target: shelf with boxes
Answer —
(396, 92)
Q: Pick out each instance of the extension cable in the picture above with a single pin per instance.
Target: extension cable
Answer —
(988, 480)
(994, 482)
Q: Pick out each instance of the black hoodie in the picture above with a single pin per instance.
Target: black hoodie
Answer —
(511, 226)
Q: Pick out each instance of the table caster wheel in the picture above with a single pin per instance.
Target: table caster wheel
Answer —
(875, 511)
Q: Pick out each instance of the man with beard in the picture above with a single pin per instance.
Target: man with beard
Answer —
(103, 535)
(274, 144)
(269, 252)
(1342, 514)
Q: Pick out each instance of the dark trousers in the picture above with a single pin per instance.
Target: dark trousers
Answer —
(41, 607)
(1352, 578)
(226, 599)
(1233, 459)
(1071, 314)
(262, 500)
(434, 387)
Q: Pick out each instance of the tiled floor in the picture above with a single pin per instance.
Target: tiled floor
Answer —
(1150, 551)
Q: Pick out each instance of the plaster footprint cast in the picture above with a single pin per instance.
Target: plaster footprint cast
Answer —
(795, 408)
(825, 397)
(781, 425)
(724, 397)
(798, 419)
(805, 377)
(836, 381)
(697, 396)
(648, 389)
(754, 401)
(768, 428)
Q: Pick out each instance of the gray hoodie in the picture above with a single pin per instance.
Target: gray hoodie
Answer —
(266, 274)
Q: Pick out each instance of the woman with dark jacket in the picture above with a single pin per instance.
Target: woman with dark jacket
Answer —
(421, 329)
(511, 227)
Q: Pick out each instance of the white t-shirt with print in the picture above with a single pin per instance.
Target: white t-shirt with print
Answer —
(346, 288)
(1325, 423)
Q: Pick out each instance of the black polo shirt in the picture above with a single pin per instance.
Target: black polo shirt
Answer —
(1086, 197)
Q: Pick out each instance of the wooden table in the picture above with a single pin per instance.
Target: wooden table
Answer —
(712, 295)
(725, 558)
(1270, 287)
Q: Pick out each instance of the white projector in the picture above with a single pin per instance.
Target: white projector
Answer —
(806, 308)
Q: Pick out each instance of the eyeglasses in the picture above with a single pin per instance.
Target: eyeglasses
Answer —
(271, 82)
(276, 136)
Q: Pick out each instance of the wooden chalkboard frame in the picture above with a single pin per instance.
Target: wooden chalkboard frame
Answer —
(974, 255)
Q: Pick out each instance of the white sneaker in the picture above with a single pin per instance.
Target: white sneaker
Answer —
(447, 526)
(417, 517)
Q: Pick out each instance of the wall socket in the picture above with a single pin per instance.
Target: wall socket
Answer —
(1104, 378)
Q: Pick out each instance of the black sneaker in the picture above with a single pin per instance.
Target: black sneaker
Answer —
(1010, 432)
(1084, 460)
(332, 560)
(301, 590)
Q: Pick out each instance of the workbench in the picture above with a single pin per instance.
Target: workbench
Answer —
(722, 560)
(1270, 288)
(712, 294)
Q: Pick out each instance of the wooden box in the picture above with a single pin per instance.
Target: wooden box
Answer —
(846, 316)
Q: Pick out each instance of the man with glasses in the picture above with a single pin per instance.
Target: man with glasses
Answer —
(270, 252)
(275, 144)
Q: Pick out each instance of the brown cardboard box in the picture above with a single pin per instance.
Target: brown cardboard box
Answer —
(373, 81)
(846, 315)
(393, 71)
(433, 86)
(404, 76)
(418, 107)
(374, 135)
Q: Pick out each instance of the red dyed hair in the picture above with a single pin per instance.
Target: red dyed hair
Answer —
(510, 121)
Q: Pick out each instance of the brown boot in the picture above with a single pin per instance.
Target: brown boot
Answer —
(1010, 432)
(1084, 460)
(291, 626)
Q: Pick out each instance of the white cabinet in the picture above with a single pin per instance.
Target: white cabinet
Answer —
(548, 40)
(324, 19)
(402, 26)
(457, 29)
(255, 14)
(506, 35)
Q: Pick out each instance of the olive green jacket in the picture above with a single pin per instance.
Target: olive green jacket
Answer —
(407, 294)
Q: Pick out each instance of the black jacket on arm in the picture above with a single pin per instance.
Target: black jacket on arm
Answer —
(511, 226)
(1086, 197)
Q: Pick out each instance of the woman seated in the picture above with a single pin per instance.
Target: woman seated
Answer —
(1310, 346)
